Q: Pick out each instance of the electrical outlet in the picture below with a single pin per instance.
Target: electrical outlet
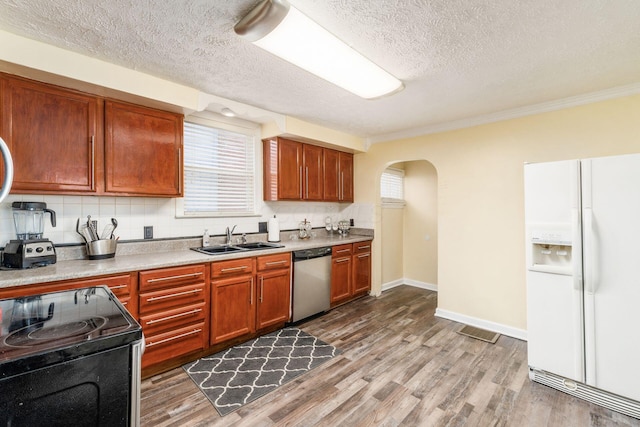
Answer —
(148, 231)
(262, 227)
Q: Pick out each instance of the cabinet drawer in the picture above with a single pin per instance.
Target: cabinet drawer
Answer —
(171, 277)
(229, 268)
(362, 247)
(274, 262)
(341, 250)
(119, 285)
(165, 346)
(170, 298)
(172, 319)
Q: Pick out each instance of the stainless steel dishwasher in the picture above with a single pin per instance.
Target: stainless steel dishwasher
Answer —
(311, 282)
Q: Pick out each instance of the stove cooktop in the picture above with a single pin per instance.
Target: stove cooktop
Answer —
(39, 330)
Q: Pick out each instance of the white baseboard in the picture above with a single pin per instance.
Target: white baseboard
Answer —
(410, 282)
(520, 334)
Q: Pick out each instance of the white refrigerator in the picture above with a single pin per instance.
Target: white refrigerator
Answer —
(583, 278)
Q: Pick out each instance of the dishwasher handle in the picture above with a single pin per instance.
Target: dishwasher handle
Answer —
(312, 253)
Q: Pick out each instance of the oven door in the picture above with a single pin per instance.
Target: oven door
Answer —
(92, 390)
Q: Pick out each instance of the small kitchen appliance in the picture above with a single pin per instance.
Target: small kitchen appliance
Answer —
(30, 249)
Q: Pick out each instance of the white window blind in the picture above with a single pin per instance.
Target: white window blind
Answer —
(392, 186)
(219, 169)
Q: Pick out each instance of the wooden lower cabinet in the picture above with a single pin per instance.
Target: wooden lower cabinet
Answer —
(233, 308)
(361, 268)
(350, 272)
(174, 312)
(273, 290)
(341, 272)
(249, 294)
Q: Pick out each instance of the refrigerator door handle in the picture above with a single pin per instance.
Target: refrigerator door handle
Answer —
(576, 249)
(590, 279)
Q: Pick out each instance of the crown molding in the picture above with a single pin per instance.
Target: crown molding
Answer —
(616, 92)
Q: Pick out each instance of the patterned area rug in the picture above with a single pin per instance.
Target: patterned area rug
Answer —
(241, 374)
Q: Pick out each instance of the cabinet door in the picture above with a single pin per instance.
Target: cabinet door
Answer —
(346, 177)
(340, 279)
(52, 135)
(143, 151)
(274, 290)
(313, 174)
(289, 170)
(331, 168)
(361, 273)
(233, 308)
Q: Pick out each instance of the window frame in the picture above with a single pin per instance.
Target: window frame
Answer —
(389, 202)
(233, 125)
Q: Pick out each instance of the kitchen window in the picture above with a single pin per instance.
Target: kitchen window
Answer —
(392, 188)
(219, 170)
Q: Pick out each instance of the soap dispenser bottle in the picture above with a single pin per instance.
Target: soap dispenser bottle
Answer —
(205, 238)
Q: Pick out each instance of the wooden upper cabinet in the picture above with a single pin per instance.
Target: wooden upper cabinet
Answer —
(331, 166)
(346, 177)
(312, 172)
(54, 134)
(298, 171)
(143, 150)
(289, 170)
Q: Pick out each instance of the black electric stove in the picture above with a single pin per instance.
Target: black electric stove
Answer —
(70, 356)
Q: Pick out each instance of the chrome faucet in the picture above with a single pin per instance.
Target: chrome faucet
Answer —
(229, 233)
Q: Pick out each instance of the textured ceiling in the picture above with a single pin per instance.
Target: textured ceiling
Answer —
(459, 59)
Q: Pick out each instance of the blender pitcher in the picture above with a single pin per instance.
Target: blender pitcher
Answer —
(28, 218)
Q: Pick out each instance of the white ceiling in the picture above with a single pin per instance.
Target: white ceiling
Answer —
(459, 59)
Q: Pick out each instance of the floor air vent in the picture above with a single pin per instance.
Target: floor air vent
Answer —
(479, 334)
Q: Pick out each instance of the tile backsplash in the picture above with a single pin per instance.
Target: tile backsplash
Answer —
(134, 213)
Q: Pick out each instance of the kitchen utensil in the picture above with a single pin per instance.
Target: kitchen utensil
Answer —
(92, 232)
(115, 225)
(80, 232)
(107, 233)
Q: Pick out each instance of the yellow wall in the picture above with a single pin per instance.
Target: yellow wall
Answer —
(420, 262)
(391, 234)
(481, 268)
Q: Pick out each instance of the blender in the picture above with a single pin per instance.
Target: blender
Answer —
(30, 249)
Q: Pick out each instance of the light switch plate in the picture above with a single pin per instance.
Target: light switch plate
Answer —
(148, 231)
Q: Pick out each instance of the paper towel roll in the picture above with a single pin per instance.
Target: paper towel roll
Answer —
(273, 230)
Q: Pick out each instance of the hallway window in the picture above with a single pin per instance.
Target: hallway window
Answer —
(392, 187)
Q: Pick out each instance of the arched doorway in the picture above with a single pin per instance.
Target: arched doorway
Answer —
(409, 233)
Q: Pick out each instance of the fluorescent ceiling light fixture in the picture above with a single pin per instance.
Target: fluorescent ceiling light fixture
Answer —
(279, 28)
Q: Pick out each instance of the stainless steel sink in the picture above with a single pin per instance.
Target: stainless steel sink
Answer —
(240, 247)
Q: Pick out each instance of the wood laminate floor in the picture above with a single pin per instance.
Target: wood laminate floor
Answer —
(400, 366)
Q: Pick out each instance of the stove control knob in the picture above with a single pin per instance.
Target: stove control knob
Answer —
(39, 249)
(29, 250)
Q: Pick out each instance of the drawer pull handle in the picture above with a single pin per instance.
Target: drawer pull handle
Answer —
(275, 262)
(118, 287)
(364, 255)
(342, 260)
(175, 316)
(152, 343)
(181, 276)
(178, 294)
(230, 269)
(343, 250)
(364, 247)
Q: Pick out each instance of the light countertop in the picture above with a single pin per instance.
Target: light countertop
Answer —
(143, 256)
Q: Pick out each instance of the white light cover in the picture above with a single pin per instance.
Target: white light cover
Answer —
(304, 43)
